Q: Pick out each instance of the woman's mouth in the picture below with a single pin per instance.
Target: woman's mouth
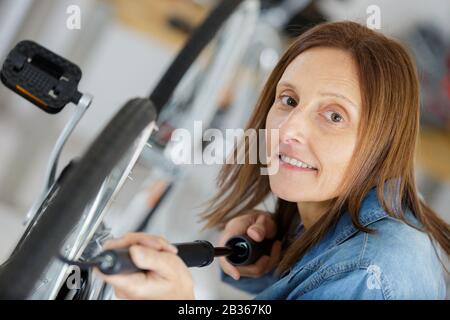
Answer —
(294, 164)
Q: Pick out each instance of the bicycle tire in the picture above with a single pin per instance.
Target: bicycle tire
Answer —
(20, 273)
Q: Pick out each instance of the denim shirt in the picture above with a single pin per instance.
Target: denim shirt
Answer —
(396, 262)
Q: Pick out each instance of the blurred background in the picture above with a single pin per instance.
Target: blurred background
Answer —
(123, 47)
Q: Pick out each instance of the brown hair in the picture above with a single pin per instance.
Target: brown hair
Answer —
(384, 154)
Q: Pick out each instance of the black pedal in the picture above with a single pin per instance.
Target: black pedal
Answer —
(44, 78)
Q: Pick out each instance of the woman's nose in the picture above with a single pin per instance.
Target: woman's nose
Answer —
(294, 128)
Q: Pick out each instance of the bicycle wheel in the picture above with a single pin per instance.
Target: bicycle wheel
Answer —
(76, 208)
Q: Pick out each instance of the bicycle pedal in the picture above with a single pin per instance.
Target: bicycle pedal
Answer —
(44, 78)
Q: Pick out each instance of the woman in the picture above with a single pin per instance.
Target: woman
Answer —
(349, 222)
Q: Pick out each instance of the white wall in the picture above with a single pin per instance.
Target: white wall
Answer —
(397, 16)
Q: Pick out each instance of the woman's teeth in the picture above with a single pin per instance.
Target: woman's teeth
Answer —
(295, 162)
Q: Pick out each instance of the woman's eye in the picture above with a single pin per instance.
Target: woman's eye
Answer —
(334, 116)
(289, 101)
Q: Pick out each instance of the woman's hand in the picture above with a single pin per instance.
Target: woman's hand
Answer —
(168, 277)
(258, 225)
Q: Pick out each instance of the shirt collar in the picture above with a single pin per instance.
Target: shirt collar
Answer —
(370, 211)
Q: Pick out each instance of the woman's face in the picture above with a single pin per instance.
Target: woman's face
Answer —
(317, 110)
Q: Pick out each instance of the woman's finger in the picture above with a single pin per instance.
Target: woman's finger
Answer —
(266, 265)
(129, 239)
(236, 226)
(120, 294)
(122, 282)
(163, 263)
(255, 270)
(261, 266)
(264, 227)
(274, 256)
(229, 269)
(151, 241)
